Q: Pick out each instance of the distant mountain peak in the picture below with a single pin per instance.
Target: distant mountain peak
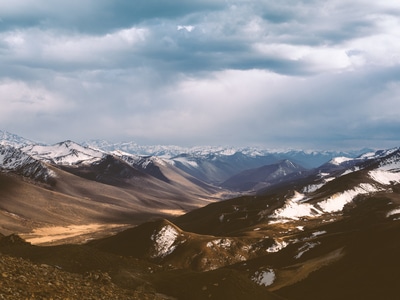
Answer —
(64, 153)
(7, 138)
(67, 143)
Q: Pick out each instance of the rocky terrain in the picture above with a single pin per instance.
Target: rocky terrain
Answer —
(21, 279)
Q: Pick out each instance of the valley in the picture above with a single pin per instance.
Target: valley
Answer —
(211, 223)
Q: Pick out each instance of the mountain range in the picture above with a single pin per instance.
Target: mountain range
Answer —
(203, 223)
(216, 164)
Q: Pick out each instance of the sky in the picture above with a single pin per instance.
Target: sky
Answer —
(311, 74)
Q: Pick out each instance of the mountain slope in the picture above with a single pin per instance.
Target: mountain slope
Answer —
(125, 200)
(325, 233)
(264, 176)
(89, 188)
(278, 244)
(370, 261)
(19, 162)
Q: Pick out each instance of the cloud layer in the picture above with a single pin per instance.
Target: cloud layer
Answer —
(315, 74)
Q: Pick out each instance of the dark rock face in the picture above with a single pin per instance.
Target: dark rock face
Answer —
(16, 161)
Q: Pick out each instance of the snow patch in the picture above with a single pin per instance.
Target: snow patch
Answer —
(306, 247)
(265, 277)
(297, 197)
(278, 246)
(220, 243)
(186, 162)
(355, 169)
(164, 241)
(393, 212)
(295, 210)
(392, 165)
(384, 177)
(323, 174)
(339, 160)
(228, 152)
(317, 233)
(337, 202)
(329, 179)
(312, 187)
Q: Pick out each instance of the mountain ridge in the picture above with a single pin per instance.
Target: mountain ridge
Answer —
(212, 165)
(254, 179)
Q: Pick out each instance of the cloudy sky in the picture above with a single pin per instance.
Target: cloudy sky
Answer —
(315, 74)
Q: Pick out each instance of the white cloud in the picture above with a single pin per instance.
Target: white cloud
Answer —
(382, 47)
(21, 102)
(47, 48)
(317, 59)
(188, 28)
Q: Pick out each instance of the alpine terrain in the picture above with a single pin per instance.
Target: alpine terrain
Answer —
(98, 220)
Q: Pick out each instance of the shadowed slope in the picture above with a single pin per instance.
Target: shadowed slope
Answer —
(26, 204)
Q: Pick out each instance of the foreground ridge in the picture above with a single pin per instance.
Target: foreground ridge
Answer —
(22, 279)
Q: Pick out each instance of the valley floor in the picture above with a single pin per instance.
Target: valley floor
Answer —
(72, 234)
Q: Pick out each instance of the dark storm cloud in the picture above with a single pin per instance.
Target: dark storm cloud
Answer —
(96, 16)
(219, 39)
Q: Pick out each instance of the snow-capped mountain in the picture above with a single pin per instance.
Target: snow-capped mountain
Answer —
(14, 140)
(366, 175)
(212, 165)
(17, 161)
(64, 153)
(113, 168)
(135, 149)
(215, 165)
(341, 166)
(308, 159)
(32, 160)
(147, 164)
